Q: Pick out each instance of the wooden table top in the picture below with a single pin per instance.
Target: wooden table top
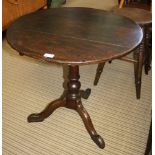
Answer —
(74, 35)
(140, 16)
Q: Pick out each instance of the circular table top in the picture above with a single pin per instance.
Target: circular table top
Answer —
(74, 35)
(140, 16)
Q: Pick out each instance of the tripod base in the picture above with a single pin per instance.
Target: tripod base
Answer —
(71, 100)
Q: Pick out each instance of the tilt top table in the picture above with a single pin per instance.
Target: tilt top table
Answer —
(73, 36)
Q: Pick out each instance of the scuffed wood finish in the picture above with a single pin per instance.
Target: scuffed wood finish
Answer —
(72, 100)
(144, 19)
(74, 35)
(140, 16)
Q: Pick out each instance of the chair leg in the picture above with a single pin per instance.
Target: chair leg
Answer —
(139, 56)
(148, 51)
(99, 72)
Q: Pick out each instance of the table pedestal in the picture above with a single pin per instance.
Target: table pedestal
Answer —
(71, 99)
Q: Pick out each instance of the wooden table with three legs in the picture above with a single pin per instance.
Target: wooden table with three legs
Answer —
(73, 36)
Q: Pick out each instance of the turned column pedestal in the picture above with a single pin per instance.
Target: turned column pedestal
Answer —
(73, 37)
(72, 100)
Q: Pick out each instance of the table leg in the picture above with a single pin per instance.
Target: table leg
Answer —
(89, 126)
(39, 117)
(71, 99)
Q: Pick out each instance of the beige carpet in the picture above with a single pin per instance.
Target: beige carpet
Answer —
(29, 85)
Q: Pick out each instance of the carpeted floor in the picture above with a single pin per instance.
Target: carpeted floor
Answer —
(29, 85)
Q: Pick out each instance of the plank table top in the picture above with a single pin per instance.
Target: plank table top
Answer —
(74, 36)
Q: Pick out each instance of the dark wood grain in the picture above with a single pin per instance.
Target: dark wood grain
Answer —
(144, 19)
(99, 72)
(72, 100)
(74, 35)
(140, 16)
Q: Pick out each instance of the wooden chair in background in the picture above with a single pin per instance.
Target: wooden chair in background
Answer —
(141, 55)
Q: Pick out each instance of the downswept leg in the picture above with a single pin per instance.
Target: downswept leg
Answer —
(73, 101)
(39, 117)
(89, 126)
